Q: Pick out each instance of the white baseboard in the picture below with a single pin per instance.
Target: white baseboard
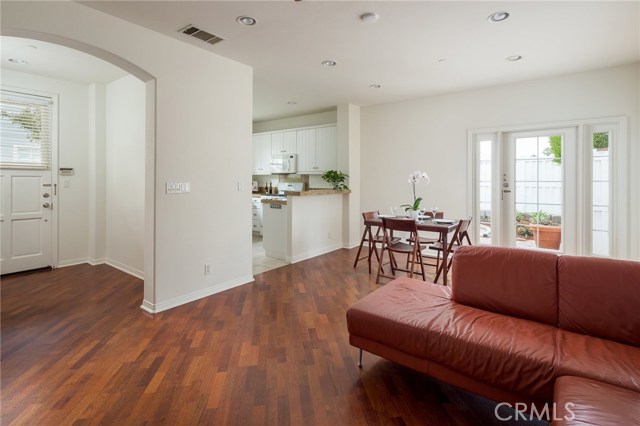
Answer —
(93, 262)
(147, 307)
(351, 245)
(309, 255)
(187, 298)
(124, 268)
(72, 262)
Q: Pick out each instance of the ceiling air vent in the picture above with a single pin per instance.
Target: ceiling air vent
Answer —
(199, 34)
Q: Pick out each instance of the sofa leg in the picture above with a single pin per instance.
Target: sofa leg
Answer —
(360, 359)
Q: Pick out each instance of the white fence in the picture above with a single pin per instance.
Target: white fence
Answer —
(538, 186)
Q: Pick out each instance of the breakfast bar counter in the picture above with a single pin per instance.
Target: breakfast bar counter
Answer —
(304, 225)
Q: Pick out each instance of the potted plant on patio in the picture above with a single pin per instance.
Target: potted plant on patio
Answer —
(547, 230)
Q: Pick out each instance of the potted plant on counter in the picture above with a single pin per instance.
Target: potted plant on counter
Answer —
(336, 178)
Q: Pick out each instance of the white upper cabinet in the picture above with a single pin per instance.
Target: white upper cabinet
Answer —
(283, 142)
(316, 148)
(261, 154)
(306, 150)
(326, 149)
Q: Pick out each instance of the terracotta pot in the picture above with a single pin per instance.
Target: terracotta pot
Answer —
(548, 237)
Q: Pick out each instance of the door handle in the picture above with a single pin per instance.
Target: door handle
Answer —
(503, 192)
(46, 205)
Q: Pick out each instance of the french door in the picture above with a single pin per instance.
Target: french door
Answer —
(525, 189)
(538, 190)
(561, 187)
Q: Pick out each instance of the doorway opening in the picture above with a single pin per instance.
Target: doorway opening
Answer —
(143, 178)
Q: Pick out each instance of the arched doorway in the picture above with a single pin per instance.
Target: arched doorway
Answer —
(149, 141)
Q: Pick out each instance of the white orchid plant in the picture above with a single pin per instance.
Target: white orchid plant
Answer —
(414, 178)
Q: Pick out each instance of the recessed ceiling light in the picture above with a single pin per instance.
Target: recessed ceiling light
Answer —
(374, 86)
(369, 18)
(292, 102)
(498, 16)
(514, 58)
(18, 61)
(246, 20)
(329, 63)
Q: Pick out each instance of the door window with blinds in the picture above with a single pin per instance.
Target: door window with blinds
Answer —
(25, 130)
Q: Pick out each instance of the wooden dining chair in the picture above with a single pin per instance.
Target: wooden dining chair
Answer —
(414, 251)
(461, 233)
(372, 237)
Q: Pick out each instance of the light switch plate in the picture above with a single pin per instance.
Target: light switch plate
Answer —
(178, 187)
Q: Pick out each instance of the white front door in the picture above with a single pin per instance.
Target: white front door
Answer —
(26, 223)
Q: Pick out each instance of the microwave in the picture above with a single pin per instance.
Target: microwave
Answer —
(283, 164)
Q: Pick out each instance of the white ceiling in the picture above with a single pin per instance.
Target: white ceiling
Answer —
(402, 52)
(55, 61)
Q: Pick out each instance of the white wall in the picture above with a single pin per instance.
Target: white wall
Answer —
(97, 174)
(125, 136)
(430, 134)
(202, 135)
(349, 126)
(73, 133)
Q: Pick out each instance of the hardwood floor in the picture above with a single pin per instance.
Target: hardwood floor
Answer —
(78, 350)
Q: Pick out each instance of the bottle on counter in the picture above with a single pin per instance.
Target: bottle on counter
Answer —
(270, 188)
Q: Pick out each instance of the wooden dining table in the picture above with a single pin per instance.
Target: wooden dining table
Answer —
(428, 224)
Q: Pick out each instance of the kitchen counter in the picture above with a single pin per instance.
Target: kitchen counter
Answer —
(304, 225)
(312, 192)
(308, 193)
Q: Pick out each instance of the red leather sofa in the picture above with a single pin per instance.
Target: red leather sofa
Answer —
(515, 324)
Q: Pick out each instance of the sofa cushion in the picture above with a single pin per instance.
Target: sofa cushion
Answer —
(516, 282)
(507, 352)
(598, 359)
(580, 401)
(399, 314)
(600, 297)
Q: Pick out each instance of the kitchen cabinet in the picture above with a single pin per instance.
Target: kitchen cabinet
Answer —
(261, 154)
(317, 149)
(257, 215)
(283, 142)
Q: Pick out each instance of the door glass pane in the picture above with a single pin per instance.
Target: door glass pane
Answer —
(538, 190)
(484, 193)
(600, 194)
